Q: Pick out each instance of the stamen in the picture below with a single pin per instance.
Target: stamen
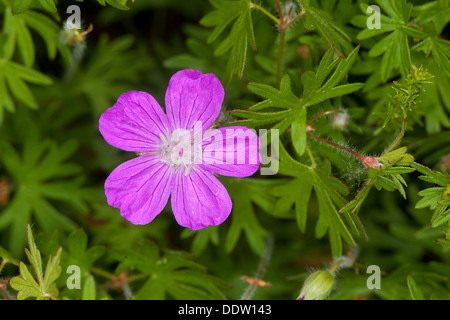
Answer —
(177, 150)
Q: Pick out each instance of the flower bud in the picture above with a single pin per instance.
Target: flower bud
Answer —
(317, 286)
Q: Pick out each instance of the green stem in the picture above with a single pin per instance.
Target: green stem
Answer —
(296, 18)
(399, 137)
(136, 277)
(267, 13)
(280, 57)
(313, 162)
(262, 266)
(335, 266)
(322, 115)
(103, 273)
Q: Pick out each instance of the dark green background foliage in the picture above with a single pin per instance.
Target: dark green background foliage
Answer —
(296, 73)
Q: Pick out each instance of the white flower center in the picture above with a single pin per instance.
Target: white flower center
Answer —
(178, 150)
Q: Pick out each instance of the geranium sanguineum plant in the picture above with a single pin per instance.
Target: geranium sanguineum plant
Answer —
(178, 153)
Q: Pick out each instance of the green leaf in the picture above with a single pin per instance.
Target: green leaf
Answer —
(314, 92)
(49, 5)
(8, 257)
(118, 4)
(79, 254)
(338, 91)
(283, 98)
(299, 131)
(414, 290)
(240, 36)
(244, 220)
(202, 238)
(393, 163)
(26, 284)
(395, 46)
(294, 193)
(436, 198)
(41, 175)
(34, 256)
(89, 289)
(52, 273)
(18, 7)
(173, 274)
(320, 20)
(102, 83)
(329, 192)
(13, 82)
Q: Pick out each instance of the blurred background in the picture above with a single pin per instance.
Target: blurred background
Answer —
(54, 160)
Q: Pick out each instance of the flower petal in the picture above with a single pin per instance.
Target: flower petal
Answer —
(134, 123)
(193, 96)
(199, 200)
(140, 188)
(231, 151)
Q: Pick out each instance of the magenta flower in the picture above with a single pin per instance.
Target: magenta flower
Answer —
(178, 153)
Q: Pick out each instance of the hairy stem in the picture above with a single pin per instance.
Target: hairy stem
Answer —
(399, 137)
(280, 12)
(295, 19)
(322, 115)
(331, 143)
(262, 266)
(280, 57)
(5, 293)
(267, 13)
(335, 266)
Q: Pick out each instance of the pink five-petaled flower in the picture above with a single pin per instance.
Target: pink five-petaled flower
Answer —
(168, 163)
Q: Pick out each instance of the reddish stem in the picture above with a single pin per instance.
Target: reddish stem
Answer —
(280, 12)
(360, 157)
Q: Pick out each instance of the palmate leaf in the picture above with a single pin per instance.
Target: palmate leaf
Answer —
(244, 220)
(41, 175)
(317, 19)
(20, 6)
(78, 253)
(438, 48)
(17, 29)
(318, 87)
(173, 274)
(245, 193)
(436, 198)
(43, 286)
(118, 4)
(434, 12)
(101, 82)
(13, 82)
(329, 192)
(202, 238)
(395, 46)
(240, 36)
